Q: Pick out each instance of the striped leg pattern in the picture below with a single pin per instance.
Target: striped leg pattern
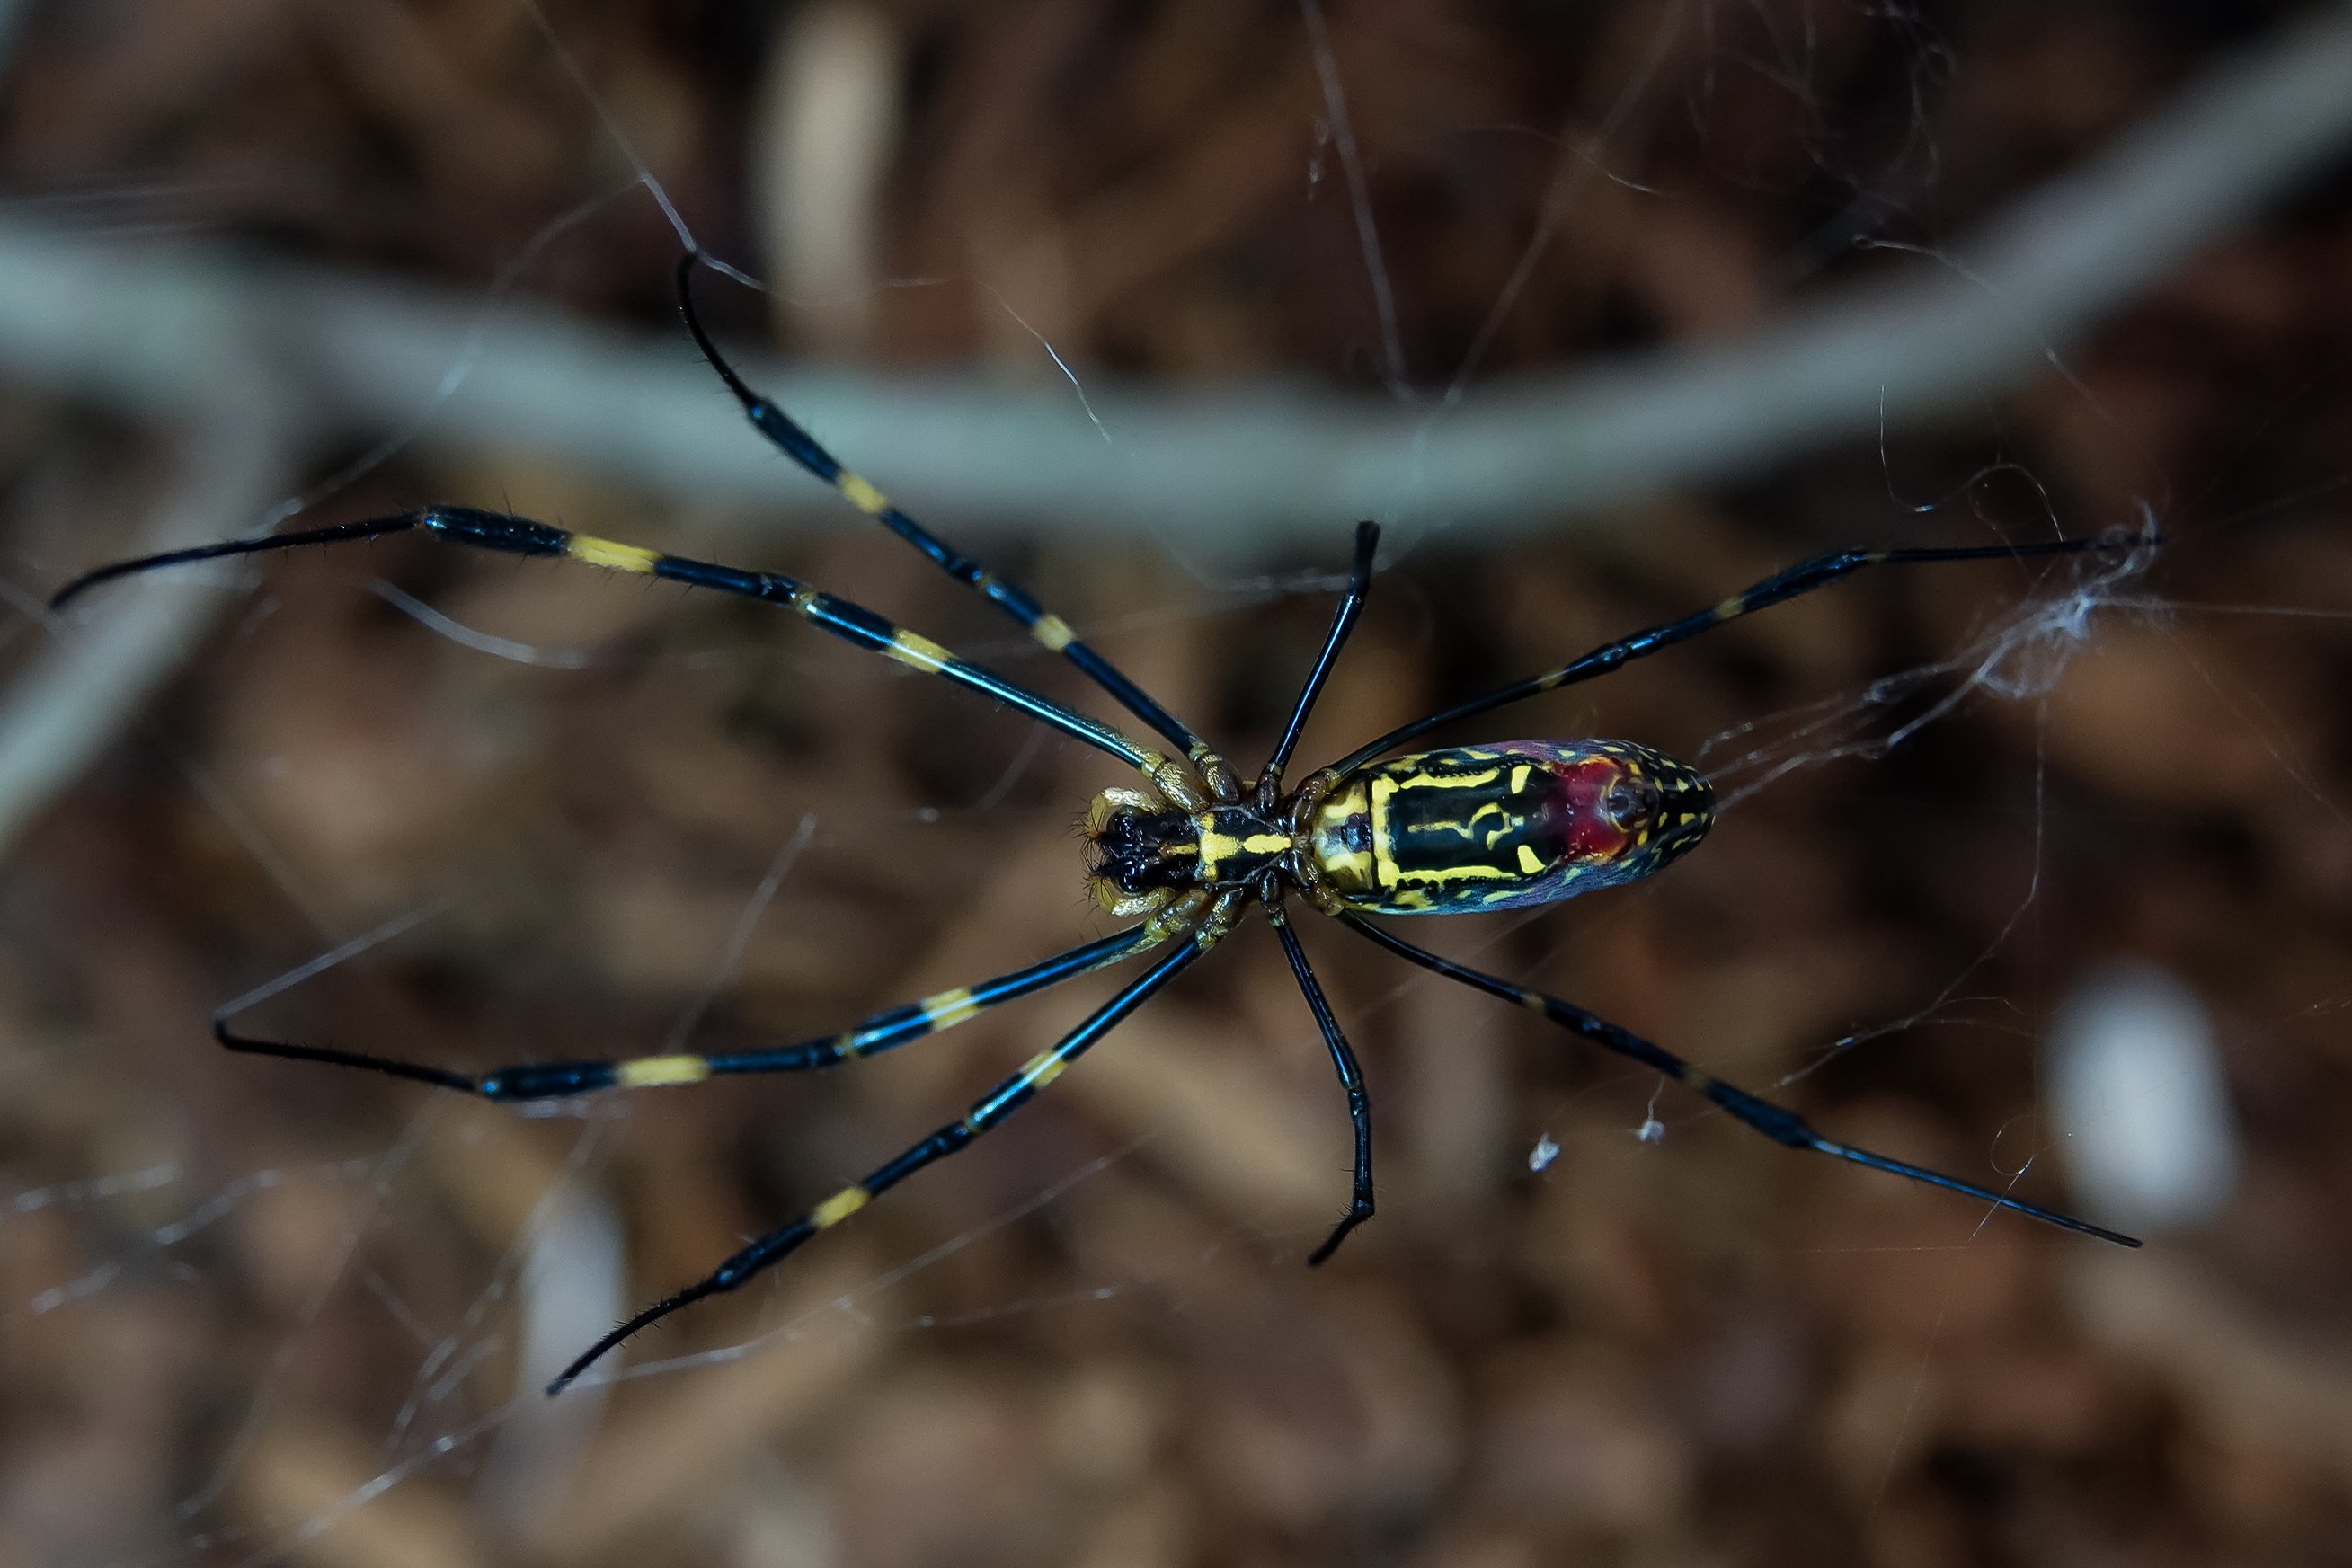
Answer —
(1783, 1126)
(1804, 578)
(988, 1112)
(853, 623)
(1050, 629)
(870, 1036)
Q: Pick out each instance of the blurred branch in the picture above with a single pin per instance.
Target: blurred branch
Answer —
(1227, 467)
(264, 362)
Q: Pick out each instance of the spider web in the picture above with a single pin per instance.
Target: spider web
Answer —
(475, 813)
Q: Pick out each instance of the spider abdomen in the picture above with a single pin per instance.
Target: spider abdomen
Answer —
(1505, 826)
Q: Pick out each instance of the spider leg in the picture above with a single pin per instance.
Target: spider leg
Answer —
(1343, 623)
(853, 623)
(1351, 1078)
(1802, 579)
(374, 527)
(1783, 1126)
(787, 436)
(869, 1037)
(988, 1112)
(415, 1072)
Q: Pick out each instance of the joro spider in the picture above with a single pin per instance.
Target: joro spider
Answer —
(1508, 825)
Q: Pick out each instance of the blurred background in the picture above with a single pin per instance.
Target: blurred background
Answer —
(2041, 875)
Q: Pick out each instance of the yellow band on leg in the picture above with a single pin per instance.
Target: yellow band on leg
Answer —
(948, 1008)
(651, 1072)
(839, 1207)
(1042, 1069)
(612, 556)
(921, 651)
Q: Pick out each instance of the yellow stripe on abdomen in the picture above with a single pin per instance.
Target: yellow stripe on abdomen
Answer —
(1384, 864)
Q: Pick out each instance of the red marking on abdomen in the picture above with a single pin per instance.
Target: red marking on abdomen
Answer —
(1584, 826)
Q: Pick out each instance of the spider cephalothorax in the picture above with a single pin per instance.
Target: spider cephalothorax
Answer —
(1143, 851)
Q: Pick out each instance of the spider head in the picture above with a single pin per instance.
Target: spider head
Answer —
(1140, 852)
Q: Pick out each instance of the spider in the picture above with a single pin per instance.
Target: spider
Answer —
(1508, 825)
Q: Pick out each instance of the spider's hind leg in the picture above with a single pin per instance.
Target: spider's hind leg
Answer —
(1782, 1125)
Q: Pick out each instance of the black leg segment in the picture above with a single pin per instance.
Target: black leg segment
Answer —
(1782, 1126)
(1351, 1078)
(1343, 623)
